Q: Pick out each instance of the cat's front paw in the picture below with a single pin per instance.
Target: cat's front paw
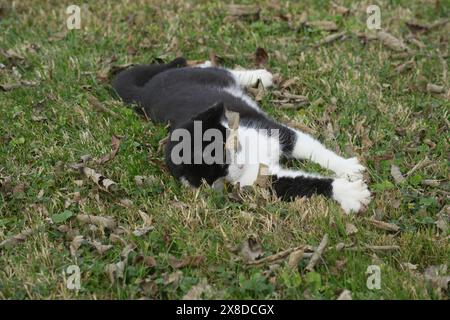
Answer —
(265, 77)
(353, 196)
(350, 169)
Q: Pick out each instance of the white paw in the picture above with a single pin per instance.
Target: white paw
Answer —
(350, 169)
(265, 76)
(351, 195)
(206, 64)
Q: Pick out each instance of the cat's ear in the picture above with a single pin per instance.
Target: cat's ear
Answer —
(212, 114)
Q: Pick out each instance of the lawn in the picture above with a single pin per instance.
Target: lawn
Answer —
(386, 102)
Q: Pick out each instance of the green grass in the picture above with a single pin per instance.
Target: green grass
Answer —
(380, 115)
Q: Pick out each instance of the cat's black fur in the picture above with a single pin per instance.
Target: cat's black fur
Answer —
(173, 93)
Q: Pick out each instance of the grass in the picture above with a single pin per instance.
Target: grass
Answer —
(359, 105)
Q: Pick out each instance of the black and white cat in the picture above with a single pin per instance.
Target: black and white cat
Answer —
(185, 96)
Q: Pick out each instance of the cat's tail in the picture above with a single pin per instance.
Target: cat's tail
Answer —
(129, 83)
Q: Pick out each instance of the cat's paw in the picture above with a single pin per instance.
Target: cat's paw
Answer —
(353, 196)
(206, 64)
(265, 77)
(350, 169)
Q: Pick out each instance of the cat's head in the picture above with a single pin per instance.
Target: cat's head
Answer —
(196, 151)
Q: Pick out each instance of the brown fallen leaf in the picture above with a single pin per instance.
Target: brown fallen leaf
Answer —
(261, 57)
(145, 217)
(141, 231)
(174, 277)
(340, 9)
(350, 229)
(345, 295)
(75, 245)
(115, 145)
(147, 261)
(16, 85)
(322, 25)
(251, 250)
(434, 88)
(144, 180)
(295, 257)
(415, 25)
(197, 291)
(100, 107)
(282, 254)
(16, 239)
(103, 182)
(101, 221)
(115, 271)
(187, 261)
(289, 82)
(391, 42)
(245, 12)
(405, 66)
(396, 174)
(37, 118)
(101, 248)
(384, 225)
(437, 276)
(330, 38)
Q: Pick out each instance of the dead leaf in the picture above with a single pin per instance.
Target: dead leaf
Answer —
(100, 107)
(101, 248)
(345, 295)
(251, 250)
(38, 118)
(126, 251)
(103, 182)
(295, 257)
(417, 26)
(437, 277)
(261, 57)
(115, 271)
(288, 83)
(405, 66)
(139, 232)
(145, 217)
(173, 277)
(16, 239)
(396, 174)
(75, 245)
(340, 9)
(391, 42)
(115, 145)
(434, 88)
(384, 225)
(442, 224)
(245, 12)
(187, 261)
(350, 229)
(196, 292)
(147, 261)
(322, 25)
(16, 85)
(330, 38)
(101, 221)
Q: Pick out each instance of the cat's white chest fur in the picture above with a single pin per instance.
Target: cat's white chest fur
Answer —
(256, 147)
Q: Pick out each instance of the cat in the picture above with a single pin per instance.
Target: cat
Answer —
(203, 98)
